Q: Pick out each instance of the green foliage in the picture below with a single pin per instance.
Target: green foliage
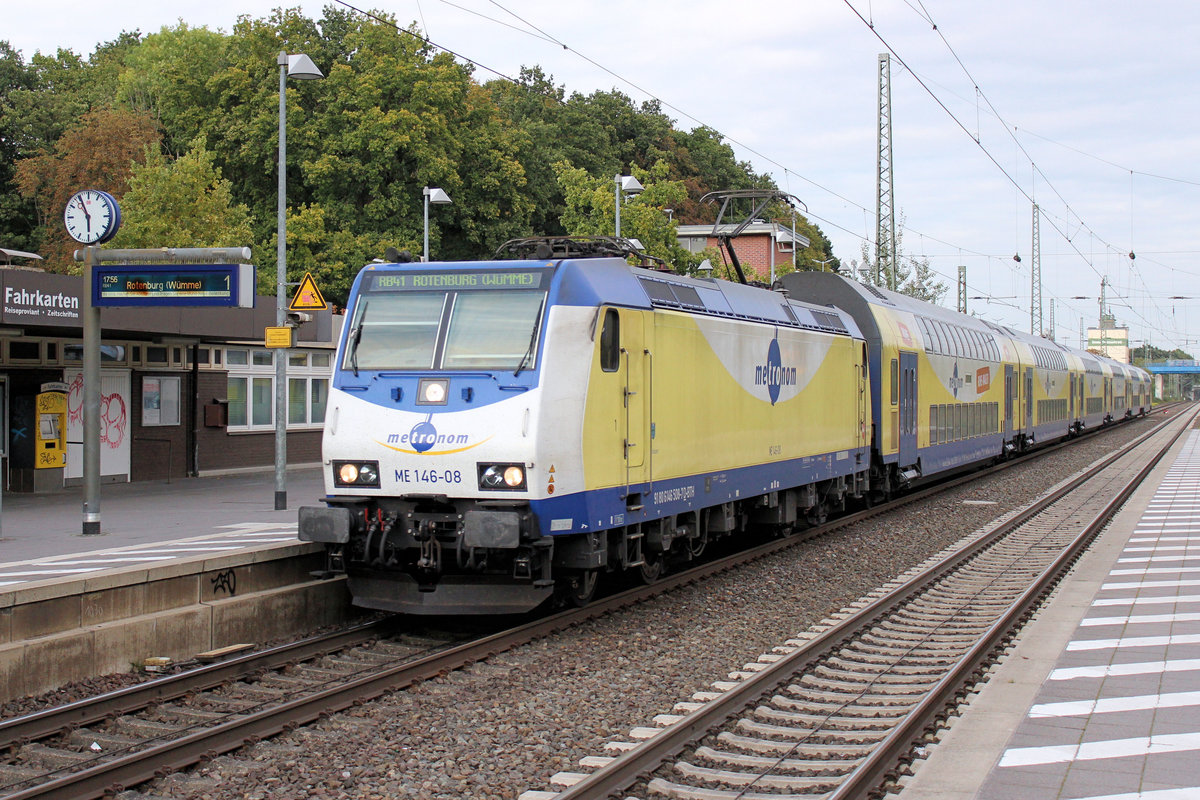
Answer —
(393, 115)
(591, 211)
(182, 202)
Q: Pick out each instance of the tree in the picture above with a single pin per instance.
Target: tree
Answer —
(914, 278)
(97, 154)
(590, 211)
(17, 214)
(181, 202)
(169, 74)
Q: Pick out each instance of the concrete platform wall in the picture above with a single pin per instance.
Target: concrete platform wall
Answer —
(53, 633)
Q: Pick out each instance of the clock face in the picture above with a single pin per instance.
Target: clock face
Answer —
(92, 217)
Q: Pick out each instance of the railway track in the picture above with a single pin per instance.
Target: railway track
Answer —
(102, 745)
(837, 715)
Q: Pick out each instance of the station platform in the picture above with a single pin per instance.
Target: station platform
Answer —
(1100, 697)
(179, 569)
(41, 536)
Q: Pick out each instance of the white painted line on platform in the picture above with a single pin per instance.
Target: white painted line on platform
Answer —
(1165, 539)
(1092, 751)
(1109, 705)
(1138, 619)
(177, 550)
(1132, 641)
(1151, 559)
(106, 561)
(1117, 670)
(1153, 571)
(1148, 601)
(1150, 584)
(48, 572)
(1189, 793)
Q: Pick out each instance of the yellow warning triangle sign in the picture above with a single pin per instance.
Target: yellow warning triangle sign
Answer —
(308, 296)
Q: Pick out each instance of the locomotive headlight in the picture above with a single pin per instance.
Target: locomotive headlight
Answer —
(356, 473)
(432, 391)
(502, 477)
(514, 477)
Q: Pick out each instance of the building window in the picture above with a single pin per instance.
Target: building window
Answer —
(160, 401)
(251, 389)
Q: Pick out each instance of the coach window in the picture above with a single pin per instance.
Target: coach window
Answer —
(895, 381)
(610, 341)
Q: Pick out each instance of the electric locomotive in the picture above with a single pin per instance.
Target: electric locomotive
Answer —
(502, 432)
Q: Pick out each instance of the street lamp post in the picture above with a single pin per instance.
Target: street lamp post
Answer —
(625, 184)
(436, 196)
(301, 68)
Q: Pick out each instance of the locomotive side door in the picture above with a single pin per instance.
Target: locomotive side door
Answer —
(635, 364)
(908, 408)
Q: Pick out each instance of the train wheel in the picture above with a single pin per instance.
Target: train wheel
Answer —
(581, 587)
(651, 568)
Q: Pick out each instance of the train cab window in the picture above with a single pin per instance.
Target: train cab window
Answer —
(610, 341)
(895, 381)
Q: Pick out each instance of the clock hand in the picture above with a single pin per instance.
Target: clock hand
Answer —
(86, 215)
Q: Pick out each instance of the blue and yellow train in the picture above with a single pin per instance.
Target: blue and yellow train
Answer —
(500, 433)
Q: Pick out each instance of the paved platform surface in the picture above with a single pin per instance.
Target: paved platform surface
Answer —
(1101, 697)
(38, 527)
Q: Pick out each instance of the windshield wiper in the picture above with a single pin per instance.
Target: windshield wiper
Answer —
(355, 336)
(532, 345)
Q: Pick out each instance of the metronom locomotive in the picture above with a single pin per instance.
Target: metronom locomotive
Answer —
(502, 432)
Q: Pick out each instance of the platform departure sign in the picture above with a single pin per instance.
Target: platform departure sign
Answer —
(230, 285)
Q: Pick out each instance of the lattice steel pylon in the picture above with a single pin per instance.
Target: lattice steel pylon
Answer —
(962, 288)
(1035, 286)
(885, 217)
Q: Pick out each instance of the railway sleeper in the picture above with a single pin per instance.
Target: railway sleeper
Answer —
(822, 721)
(856, 652)
(860, 712)
(53, 757)
(944, 632)
(680, 792)
(853, 675)
(793, 747)
(765, 763)
(728, 778)
(822, 736)
(143, 728)
(879, 689)
(888, 652)
(13, 774)
(839, 699)
(84, 738)
(853, 681)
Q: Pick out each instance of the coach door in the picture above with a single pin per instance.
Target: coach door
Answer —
(1071, 410)
(636, 362)
(908, 408)
(1009, 391)
(1029, 399)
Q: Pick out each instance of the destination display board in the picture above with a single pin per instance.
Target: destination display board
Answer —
(456, 281)
(230, 285)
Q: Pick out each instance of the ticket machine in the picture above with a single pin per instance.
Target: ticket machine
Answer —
(50, 430)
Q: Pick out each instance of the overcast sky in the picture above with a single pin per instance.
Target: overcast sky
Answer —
(1088, 108)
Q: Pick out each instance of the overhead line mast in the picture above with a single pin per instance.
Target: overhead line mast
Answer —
(885, 225)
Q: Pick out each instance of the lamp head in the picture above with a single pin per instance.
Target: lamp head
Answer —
(302, 68)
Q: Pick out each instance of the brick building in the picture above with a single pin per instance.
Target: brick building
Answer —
(184, 391)
(761, 246)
